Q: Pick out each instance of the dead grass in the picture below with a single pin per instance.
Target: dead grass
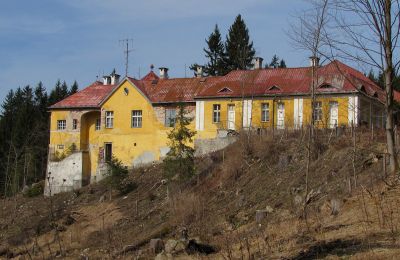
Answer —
(218, 206)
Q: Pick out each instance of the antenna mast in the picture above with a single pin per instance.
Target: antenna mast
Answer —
(127, 51)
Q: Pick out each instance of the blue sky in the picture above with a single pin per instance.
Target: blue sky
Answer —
(46, 40)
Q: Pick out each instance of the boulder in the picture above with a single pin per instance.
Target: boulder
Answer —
(170, 245)
(156, 245)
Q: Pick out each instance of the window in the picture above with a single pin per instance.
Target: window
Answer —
(170, 115)
(61, 124)
(98, 124)
(109, 119)
(74, 124)
(317, 111)
(265, 112)
(216, 113)
(136, 118)
(60, 146)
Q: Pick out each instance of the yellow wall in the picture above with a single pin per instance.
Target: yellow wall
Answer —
(210, 128)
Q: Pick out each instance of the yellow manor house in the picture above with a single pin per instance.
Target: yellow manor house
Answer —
(130, 118)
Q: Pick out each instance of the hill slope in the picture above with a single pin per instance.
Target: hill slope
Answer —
(246, 202)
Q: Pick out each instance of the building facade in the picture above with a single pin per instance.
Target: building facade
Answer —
(130, 118)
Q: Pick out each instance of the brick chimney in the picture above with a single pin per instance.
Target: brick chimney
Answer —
(163, 73)
(199, 71)
(314, 61)
(258, 63)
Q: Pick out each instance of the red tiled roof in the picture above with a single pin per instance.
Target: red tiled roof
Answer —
(172, 90)
(335, 76)
(150, 76)
(291, 81)
(90, 97)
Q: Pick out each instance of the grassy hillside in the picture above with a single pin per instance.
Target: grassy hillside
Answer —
(246, 202)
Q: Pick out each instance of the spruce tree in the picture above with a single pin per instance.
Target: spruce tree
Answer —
(74, 88)
(282, 64)
(274, 62)
(239, 48)
(215, 53)
(64, 90)
(180, 159)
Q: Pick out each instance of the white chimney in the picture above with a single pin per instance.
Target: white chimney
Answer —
(163, 73)
(314, 61)
(199, 71)
(258, 63)
(106, 80)
(114, 78)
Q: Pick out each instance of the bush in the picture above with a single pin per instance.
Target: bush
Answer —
(35, 190)
(117, 177)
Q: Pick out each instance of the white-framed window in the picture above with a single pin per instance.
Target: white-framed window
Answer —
(109, 119)
(170, 116)
(136, 119)
(74, 124)
(265, 112)
(317, 111)
(61, 124)
(98, 124)
(216, 113)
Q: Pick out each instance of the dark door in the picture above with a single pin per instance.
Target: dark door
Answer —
(108, 152)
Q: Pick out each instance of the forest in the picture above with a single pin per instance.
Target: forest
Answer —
(24, 134)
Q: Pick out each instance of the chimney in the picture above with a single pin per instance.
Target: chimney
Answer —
(114, 78)
(258, 63)
(199, 71)
(163, 73)
(106, 80)
(314, 61)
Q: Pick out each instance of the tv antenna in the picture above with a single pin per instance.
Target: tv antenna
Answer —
(126, 43)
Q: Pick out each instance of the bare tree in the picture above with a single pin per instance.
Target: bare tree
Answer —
(367, 32)
(308, 33)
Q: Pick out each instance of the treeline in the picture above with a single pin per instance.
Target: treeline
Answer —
(237, 52)
(24, 134)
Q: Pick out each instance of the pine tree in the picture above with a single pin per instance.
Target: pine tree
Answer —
(180, 159)
(74, 88)
(282, 64)
(215, 53)
(274, 62)
(239, 48)
(64, 90)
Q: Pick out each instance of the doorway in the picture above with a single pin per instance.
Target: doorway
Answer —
(231, 117)
(280, 124)
(108, 152)
(334, 114)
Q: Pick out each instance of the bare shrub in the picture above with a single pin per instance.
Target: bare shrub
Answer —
(187, 208)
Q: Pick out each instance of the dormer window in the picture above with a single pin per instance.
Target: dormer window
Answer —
(274, 88)
(225, 90)
(325, 86)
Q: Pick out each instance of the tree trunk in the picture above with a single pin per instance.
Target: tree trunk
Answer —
(388, 74)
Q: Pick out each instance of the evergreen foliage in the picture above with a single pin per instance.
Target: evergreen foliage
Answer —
(379, 80)
(239, 48)
(24, 135)
(74, 88)
(276, 63)
(180, 159)
(215, 53)
(118, 177)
